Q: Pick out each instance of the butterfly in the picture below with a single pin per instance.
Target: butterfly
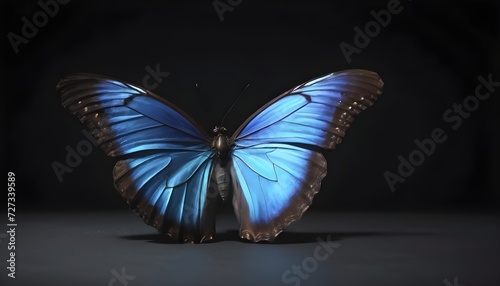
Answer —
(173, 173)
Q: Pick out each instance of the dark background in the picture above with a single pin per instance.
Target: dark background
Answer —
(429, 57)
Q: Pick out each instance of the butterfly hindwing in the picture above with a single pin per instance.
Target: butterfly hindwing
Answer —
(166, 177)
(272, 193)
(276, 168)
(178, 207)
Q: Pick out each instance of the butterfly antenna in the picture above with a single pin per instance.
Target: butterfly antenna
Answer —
(205, 104)
(230, 108)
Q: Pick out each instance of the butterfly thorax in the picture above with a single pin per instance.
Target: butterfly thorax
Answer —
(221, 144)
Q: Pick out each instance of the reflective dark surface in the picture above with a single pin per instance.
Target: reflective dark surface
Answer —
(358, 248)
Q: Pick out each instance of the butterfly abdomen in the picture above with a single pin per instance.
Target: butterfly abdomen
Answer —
(222, 179)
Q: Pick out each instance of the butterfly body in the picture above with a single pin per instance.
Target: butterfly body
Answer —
(221, 144)
(172, 173)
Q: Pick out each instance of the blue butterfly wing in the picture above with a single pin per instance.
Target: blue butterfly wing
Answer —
(276, 166)
(275, 185)
(166, 175)
(179, 209)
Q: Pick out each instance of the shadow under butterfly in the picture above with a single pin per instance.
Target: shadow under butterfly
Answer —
(173, 174)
